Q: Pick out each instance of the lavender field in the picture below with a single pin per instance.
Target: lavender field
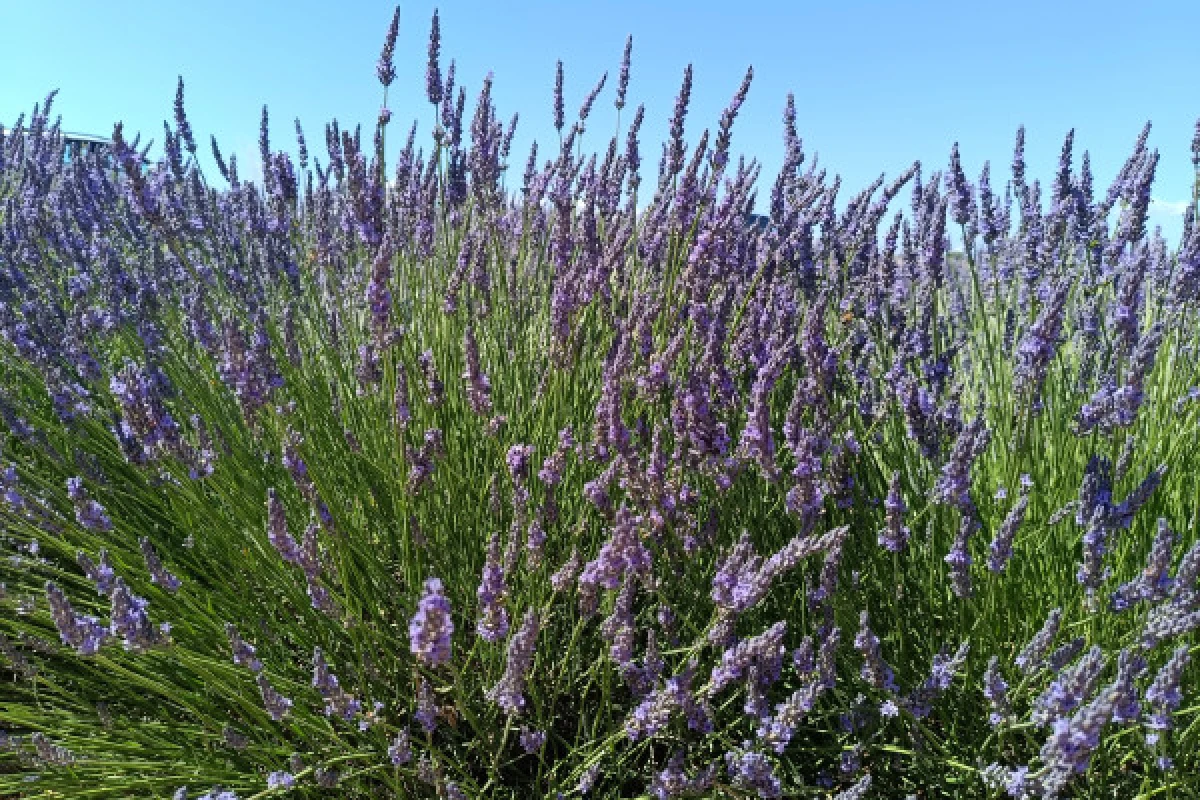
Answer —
(483, 474)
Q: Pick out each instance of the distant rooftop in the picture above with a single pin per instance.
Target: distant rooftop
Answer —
(75, 144)
(68, 136)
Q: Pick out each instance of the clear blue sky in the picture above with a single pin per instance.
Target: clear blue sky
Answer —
(877, 85)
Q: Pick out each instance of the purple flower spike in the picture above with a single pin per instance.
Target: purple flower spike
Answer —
(433, 72)
(623, 79)
(895, 534)
(558, 98)
(276, 704)
(750, 769)
(158, 573)
(83, 633)
(385, 69)
(509, 693)
(426, 713)
(532, 740)
(400, 751)
(130, 621)
(1164, 696)
(493, 617)
(277, 531)
(875, 670)
(431, 628)
(243, 652)
(1033, 655)
(88, 512)
(1001, 547)
(995, 689)
(101, 574)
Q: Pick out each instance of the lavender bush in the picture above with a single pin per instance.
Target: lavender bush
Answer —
(433, 479)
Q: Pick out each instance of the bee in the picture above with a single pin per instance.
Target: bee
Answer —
(847, 317)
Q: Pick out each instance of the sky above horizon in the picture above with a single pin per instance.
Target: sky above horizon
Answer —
(877, 85)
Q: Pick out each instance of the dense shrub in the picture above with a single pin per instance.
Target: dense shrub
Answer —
(428, 479)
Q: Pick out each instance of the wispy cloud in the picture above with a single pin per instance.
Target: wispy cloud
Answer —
(1160, 206)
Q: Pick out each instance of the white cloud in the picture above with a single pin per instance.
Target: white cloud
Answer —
(1174, 208)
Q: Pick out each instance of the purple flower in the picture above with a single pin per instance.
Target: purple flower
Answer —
(532, 740)
(426, 713)
(875, 670)
(478, 387)
(558, 97)
(281, 780)
(995, 689)
(243, 652)
(651, 716)
(777, 731)
(673, 781)
(959, 558)
(1001, 547)
(954, 484)
(101, 574)
(433, 73)
(961, 196)
(1154, 583)
(130, 621)
(509, 693)
(895, 533)
(1127, 708)
(618, 629)
(337, 701)
(277, 531)
(385, 70)
(1070, 689)
(84, 633)
(562, 578)
(431, 628)
(218, 794)
(750, 769)
(399, 751)
(588, 779)
(493, 617)
(276, 704)
(623, 78)
(158, 573)
(763, 652)
(88, 512)
(434, 389)
(1164, 696)
(517, 460)
(403, 412)
(1039, 345)
(622, 554)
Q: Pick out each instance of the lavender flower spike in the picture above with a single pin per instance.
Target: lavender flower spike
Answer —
(276, 704)
(433, 72)
(493, 617)
(243, 651)
(509, 693)
(1163, 697)
(277, 530)
(431, 628)
(895, 535)
(385, 69)
(623, 76)
(83, 633)
(875, 670)
(158, 573)
(88, 512)
(1032, 656)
